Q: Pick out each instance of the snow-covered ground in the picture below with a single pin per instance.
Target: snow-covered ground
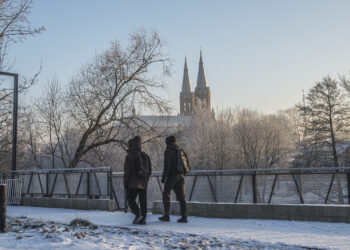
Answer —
(48, 228)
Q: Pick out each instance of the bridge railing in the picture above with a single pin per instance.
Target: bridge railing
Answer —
(67, 183)
(268, 186)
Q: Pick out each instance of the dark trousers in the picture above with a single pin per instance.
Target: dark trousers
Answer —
(132, 194)
(176, 183)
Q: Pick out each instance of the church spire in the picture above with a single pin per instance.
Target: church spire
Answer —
(201, 79)
(186, 84)
(202, 91)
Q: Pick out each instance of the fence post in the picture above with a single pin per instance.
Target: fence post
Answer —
(88, 185)
(2, 208)
(125, 201)
(110, 185)
(47, 185)
(254, 188)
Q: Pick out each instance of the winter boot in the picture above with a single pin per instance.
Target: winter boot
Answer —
(164, 218)
(182, 220)
(142, 221)
(137, 219)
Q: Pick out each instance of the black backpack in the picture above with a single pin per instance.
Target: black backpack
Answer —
(183, 165)
(143, 166)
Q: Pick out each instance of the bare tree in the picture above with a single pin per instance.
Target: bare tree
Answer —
(222, 145)
(263, 140)
(102, 96)
(327, 124)
(14, 25)
(199, 150)
(46, 121)
(327, 119)
(345, 82)
(5, 134)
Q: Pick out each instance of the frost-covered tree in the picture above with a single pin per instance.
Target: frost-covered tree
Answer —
(199, 132)
(263, 140)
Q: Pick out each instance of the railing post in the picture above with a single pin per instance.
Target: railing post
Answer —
(88, 185)
(254, 188)
(47, 185)
(110, 185)
(239, 187)
(2, 208)
(301, 183)
(194, 183)
(125, 201)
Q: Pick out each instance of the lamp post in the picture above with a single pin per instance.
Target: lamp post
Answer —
(14, 121)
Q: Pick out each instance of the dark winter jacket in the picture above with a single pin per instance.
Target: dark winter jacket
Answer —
(131, 180)
(170, 161)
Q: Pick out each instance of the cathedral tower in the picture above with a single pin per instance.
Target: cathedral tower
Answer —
(186, 96)
(202, 91)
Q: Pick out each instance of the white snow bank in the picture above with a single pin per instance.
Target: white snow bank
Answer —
(292, 233)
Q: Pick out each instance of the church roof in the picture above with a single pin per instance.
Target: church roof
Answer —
(186, 84)
(201, 79)
(163, 121)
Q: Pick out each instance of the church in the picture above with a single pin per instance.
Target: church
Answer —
(201, 96)
(189, 100)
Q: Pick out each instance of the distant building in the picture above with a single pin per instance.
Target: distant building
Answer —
(189, 101)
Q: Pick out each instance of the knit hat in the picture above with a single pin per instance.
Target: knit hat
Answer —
(137, 141)
(170, 139)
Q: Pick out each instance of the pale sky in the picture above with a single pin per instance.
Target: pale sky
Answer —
(257, 54)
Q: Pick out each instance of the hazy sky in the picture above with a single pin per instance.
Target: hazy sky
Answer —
(257, 54)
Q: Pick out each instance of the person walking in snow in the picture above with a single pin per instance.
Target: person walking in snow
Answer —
(175, 167)
(137, 171)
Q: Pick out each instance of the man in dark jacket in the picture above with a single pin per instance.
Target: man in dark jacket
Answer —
(173, 179)
(136, 183)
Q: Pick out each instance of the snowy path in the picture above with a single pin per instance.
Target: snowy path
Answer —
(235, 232)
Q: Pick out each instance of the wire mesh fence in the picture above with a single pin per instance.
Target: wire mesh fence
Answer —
(13, 190)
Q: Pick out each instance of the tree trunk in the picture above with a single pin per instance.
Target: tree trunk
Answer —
(336, 163)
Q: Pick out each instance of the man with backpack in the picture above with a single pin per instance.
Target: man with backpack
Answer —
(137, 171)
(175, 167)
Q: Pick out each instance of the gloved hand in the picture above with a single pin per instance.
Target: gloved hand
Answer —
(163, 179)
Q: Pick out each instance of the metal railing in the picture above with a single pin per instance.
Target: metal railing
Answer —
(295, 173)
(13, 191)
(268, 186)
(91, 183)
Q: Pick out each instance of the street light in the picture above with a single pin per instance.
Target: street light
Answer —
(14, 121)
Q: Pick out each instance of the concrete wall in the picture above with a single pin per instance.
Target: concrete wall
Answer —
(72, 203)
(328, 213)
